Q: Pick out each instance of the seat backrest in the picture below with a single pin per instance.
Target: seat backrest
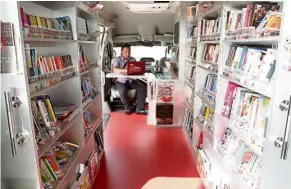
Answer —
(147, 59)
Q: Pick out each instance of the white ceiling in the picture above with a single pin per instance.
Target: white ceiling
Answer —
(129, 23)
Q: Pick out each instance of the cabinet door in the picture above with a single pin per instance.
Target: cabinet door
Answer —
(277, 158)
(19, 161)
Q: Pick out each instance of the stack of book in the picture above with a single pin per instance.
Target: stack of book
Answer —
(251, 64)
(188, 122)
(255, 20)
(41, 27)
(88, 91)
(210, 30)
(52, 163)
(8, 50)
(45, 71)
(247, 111)
(47, 118)
(241, 158)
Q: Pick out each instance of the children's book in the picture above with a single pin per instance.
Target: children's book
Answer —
(164, 114)
(165, 92)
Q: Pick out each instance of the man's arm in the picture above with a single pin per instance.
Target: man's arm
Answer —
(116, 67)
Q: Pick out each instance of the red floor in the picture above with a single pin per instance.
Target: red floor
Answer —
(135, 153)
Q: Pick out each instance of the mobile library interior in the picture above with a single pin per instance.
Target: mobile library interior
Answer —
(218, 100)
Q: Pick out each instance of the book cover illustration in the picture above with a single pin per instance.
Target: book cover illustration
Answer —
(164, 114)
(165, 92)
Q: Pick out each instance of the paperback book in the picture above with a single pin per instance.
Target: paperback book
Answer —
(164, 114)
(165, 92)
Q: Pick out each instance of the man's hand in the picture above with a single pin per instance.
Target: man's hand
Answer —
(123, 71)
(120, 71)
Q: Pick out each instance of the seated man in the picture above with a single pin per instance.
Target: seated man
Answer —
(123, 83)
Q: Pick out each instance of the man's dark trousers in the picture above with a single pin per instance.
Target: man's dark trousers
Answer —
(141, 93)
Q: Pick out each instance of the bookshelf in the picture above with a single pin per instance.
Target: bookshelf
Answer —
(216, 84)
(67, 69)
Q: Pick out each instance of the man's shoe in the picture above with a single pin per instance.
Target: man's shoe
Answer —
(142, 112)
(128, 112)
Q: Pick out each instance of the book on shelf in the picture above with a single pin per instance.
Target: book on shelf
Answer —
(47, 117)
(228, 99)
(210, 26)
(241, 157)
(43, 65)
(99, 141)
(165, 92)
(93, 167)
(247, 111)
(82, 26)
(88, 90)
(83, 59)
(193, 51)
(205, 114)
(210, 86)
(210, 53)
(188, 123)
(258, 16)
(44, 27)
(203, 165)
(192, 31)
(63, 151)
(250, 64)
(164, 114)
(83, 180)
(63, 111)
(51, 163)
(191, 11)
(8, 50)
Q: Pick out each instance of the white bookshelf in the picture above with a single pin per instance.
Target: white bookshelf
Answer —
(66, 91)
(222, 166)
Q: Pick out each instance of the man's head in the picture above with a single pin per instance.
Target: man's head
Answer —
(125, 51)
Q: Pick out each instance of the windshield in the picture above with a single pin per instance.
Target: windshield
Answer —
(138, 52)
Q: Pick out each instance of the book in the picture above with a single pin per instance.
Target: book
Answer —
(164, 114)
(93, 166)
(261, 11)
(165, 92)
(228, 99)
(50, 158)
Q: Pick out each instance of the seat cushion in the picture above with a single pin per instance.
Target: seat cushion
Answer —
(115, 94)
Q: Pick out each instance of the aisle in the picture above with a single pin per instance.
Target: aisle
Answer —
(135, 153)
